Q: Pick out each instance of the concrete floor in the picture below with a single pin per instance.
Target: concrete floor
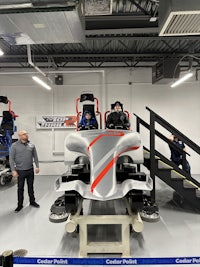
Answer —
(177, 234)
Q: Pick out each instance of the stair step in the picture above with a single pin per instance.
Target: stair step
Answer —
(189, 184)
(147, 154)
(163, 165)
(177, 175)
(198, 193)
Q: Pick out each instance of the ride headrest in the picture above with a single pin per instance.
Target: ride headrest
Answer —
(4, 99)
(87, 97)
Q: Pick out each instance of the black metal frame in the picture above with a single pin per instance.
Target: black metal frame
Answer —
(155, 118)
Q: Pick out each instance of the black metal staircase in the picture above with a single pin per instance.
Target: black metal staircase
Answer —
(160, 166)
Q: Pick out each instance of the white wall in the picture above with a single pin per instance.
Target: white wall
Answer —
(180, 106)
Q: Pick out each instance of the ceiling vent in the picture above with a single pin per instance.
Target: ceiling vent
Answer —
(179, 17)
(163, 72)
(43, 25)
(96, 8)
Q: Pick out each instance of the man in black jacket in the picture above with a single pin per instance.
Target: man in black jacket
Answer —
(117, 118)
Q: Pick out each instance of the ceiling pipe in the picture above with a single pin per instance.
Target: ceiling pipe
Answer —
(51, 3)
(16, 6)
(49, 72)
(33, 65)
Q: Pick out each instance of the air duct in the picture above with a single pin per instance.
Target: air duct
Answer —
(36, 3)
(179, 17)
(164, 71)
(42, 25)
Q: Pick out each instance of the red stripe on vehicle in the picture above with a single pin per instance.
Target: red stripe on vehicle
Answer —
(108, 133)
(108, 167)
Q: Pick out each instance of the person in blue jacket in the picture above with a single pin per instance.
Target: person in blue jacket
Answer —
(88, 122)
(176, 156)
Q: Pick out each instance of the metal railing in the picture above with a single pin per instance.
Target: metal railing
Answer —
(155, 118)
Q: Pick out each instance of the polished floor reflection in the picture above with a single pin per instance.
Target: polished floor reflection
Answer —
(176, 234)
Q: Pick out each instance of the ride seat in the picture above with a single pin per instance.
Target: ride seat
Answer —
(90, 108)
(106, 114)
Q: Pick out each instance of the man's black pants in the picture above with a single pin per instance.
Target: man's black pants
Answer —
(27, 175)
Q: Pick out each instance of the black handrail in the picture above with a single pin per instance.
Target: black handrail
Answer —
(176, 132)
(154, 117)
(146, 125)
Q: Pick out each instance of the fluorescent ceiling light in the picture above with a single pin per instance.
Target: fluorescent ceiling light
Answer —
(182, 79)
(38, 80)
(1, 52)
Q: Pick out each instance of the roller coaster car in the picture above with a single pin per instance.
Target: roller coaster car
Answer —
(7, 129)
(101, 165)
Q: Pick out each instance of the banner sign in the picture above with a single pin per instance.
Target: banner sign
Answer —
(107, 261)
(56, 121)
